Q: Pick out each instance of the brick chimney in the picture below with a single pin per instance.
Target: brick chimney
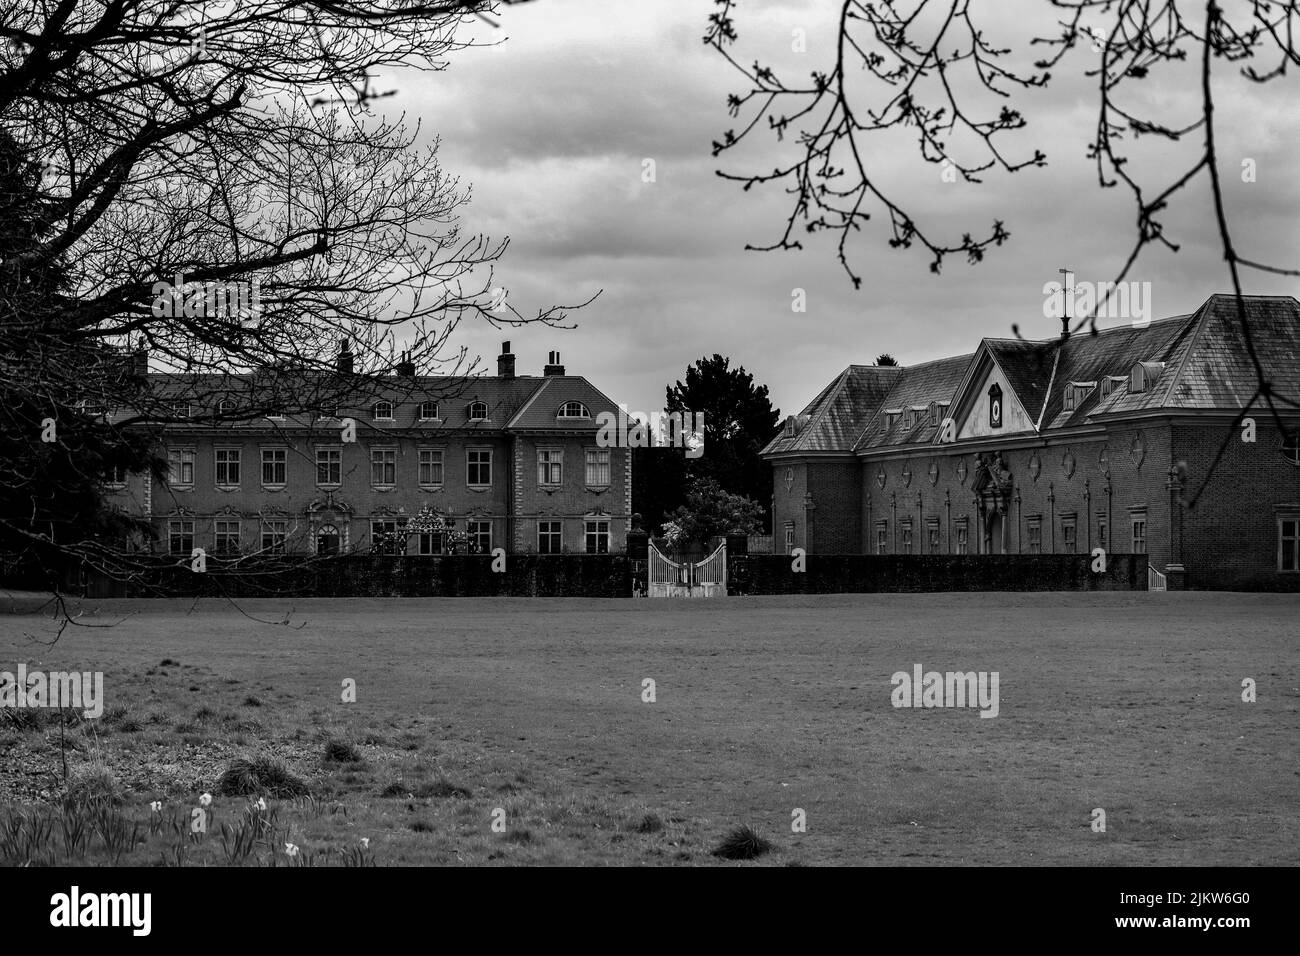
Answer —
(406, 366)
(140, 361)
(554, 367)
(506, 361)
(345, 357)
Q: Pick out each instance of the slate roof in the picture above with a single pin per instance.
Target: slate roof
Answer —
(833, 420)
(505, 397)
(1206, 366)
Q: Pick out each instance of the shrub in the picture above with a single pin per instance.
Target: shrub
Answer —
(340, 751)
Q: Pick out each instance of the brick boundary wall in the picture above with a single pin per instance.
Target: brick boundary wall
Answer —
(859, 573)
(526, 575)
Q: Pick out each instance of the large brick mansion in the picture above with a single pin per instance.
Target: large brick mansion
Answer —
(1062, 446)
(506, 461)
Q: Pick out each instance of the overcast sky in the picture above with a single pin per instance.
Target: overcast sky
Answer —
(553, 125)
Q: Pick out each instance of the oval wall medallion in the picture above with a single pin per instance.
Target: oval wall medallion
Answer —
(961, 470)
(1067, 464)
(789, 478)
(934, 472)
(1137, 449)
(1035, 466)
(1103, 457)
(880, 477)
(906, 474)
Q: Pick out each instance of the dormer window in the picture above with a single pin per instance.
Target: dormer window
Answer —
(1110, 383)
(181, 410)
(382, 411)
(226, 407)
(790, 426)
(428, 411)
(1076, 392)
(573, 410)
(934, 413)
(1143, 375)
(909, 419)
(891, 417)
(477, 411)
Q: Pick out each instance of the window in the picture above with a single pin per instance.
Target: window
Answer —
(1036, 535)
(226, 406)
(1069, 535)
(1139, 525)
(550, 466)
(908, 419)
(1069, 398)
(328, 541)
(115, 475)
(430, 542)
(227, 462)
(574, 410)
(329, 466)
(995, 406)
(1291, 448)
(891, 418)
(480, 536)
(789, 538)
(226, 536)
(180, 465)
(548, 537)
(963, 538)
(383, 467)
(477, 411)
(906, 528)
(598, 537)
(1288, 542)
(430, 467)
(934, 413)
(276, 414)
(382, 411)
(428, 411)
(274, 532)
(597, 467)
(932, 537)
(384, 537)
(181, 411)
(275, 465)
(478, 467)
(882, 537)
(180, 537)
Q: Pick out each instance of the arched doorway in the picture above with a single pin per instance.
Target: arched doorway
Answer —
(327, 540)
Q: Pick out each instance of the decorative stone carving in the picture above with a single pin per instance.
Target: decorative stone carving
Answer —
(1035, 466)
(934, 471)
(1068, 464)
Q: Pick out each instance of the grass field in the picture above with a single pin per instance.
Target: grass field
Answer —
(1127, 702)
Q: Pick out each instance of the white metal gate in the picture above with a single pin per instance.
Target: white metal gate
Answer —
(707, 578)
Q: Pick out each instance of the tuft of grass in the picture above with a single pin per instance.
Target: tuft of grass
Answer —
(168, 662)
(442, 788)
(340, 751)
(92, 786)
(420, 826)
(261, 775)
(394, 789)
(742, 843)
(252, 701)
(649, 823)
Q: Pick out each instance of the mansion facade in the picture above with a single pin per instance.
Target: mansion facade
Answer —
(508, 461)
(1062, 446)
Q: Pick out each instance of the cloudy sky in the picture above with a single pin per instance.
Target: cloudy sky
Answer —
(553, 126)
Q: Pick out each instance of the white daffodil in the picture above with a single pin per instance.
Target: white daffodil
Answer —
(156, 806)
(365, 843)
(260, 805)
(290, 850)
(205, 800)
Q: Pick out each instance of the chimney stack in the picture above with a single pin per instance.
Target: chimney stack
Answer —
(345, 357)
(506, 361)
(140, 361)
(406, 366)
(553, 366)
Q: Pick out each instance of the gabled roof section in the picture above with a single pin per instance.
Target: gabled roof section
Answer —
(918, 386)
(1030, 368)
(838, 413)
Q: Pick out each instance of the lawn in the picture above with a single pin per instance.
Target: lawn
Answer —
(1126, 702)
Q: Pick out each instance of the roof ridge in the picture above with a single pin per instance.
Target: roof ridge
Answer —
(1199, 317)
(833, 394)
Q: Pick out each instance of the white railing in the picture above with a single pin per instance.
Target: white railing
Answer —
(1155, 580)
